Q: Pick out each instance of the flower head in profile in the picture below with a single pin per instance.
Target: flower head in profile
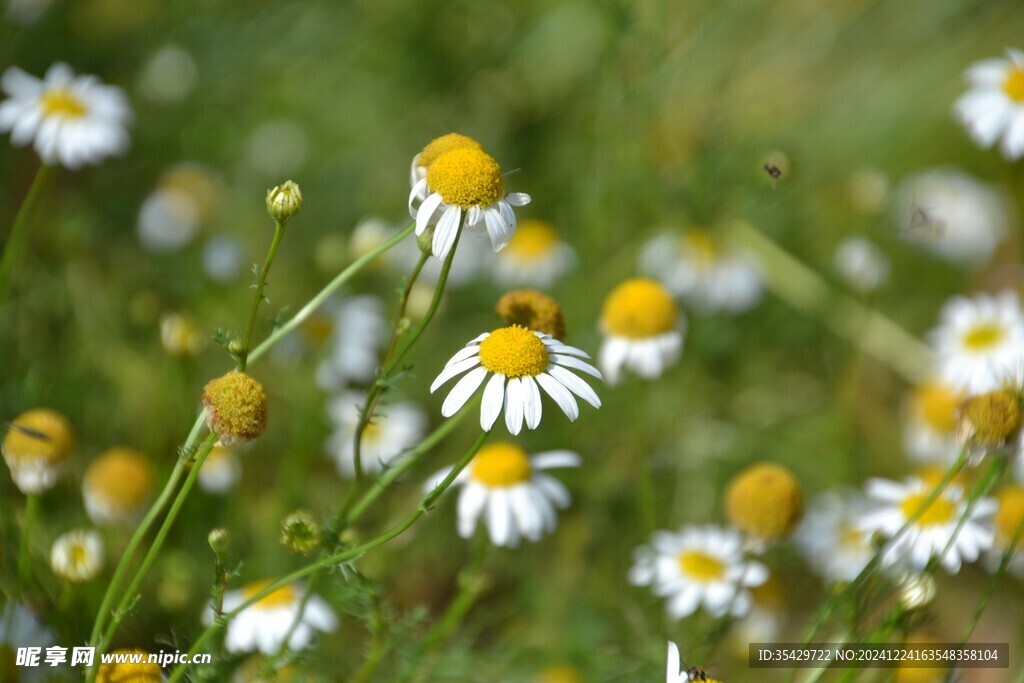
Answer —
(71, 120)
(117, 486)
(643, 330)
(77, 556)
(264, 625)
(511, 491)
(993, 106)
(930, 526)
(979, 343)
(930, 421)
(519, 362)
(535, 256)
(36, 449)
(698, 566)
(394, 429)
(464, 183)
(707, 275)
(533, 310)
(830, 538)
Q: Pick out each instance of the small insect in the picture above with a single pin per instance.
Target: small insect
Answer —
(696, 673)
(27, 431)
(922, 224)
(774, 172)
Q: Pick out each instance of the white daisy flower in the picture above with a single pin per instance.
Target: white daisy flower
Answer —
(953, 215)
(979, 343)
(932, 531)
(77, 556)
(699, 566)
(512, 491)
(264, 625)
(72, 120)
(861, 264)
(20, 628)
(223, 259)
(517, 361)
(993, 106)
(36, 448)
(930, 421)
(221, 470)
(535, 256)
(168, 76)
(830, 539)
(643, 330)
(186, 198)
(117, 487)
(464, 183)
(357, 334)
(435, 148)
(393, 430)
(180, 335)
(694, 267)
(27, 11)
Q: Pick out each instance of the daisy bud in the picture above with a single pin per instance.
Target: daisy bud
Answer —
(236, 407)
(425, 241)
(77, 556)
(916, 591)
(284, 201)
(988, 420)
(764, 500)
(219, 538)
(117, 486)
(142, 671)
(301, 533)
(36, 449)
(533, 310)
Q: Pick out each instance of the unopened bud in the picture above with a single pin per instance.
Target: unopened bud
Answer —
(284, 201)
(301, 533)
(219, 540)
(916, 591)
(426, 240)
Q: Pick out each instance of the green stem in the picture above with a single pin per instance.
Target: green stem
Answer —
(338, 558)
(1004, 565)
(988, 482)
(378, 646)
(257, 298)
(31, 512)
(147, 562)
(17, 240)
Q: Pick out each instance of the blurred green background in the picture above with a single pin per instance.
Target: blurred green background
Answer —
(623, 118)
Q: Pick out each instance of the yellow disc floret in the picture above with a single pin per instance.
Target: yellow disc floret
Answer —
(514, 352)
(701, 566)
(40, 435)
(1013, 84)
(63, 103)
(283, 596)
(532, 238)
(942, 511)
(1010, 516)
(639, 308)
(236, 407)
(128, 672)
(534, 310)
(935, 404)
(466, 177)
(988, 420)
(983, 337)
(765, 500)
(445, 143)
(122, 477)
(500, 465)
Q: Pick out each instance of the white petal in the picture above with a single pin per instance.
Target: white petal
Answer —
(562, 396)
(514, 406)
(471, 503)
(461, 392)
(517, 198)
(446, 231)
(499, 518)
(570, 362)
(531, 402)
(575, 385)
(455, 369)
(554, 459)
(494, 399)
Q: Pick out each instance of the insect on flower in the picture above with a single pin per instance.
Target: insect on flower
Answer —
(27, 431)
(774, 172)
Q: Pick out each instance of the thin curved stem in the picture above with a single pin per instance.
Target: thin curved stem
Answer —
(17, 240)
(990, 589)
(31, 512)
(257, 298)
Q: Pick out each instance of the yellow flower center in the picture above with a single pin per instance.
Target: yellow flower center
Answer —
(122, 476)
(701, 566)
(639, 308)
(78, 558)
(533, 239)
(942, 511)
(500, 465)
(445, 143)
(372, 432)
(61, 102)
(466, 177)
(1013, 84)
(936, 405)
(983, 337)
(281, 597)
(1010, 515)
(700, 247)
(514, 352)
(143, 672)
(850, 537)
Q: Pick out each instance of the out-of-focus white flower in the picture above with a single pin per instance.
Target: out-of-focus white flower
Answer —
(699, 566)
(71, 120)
(535, 256)
(27, 11)
(221, 470)
(993, 106)
(36, 449)
(223, 259)
(829, 537)
(186, 198)
(929, 427)
(952, 215)
(264, 625)
(20, 628)
(358, 332)
(696, 268)
(474, 257)
(394, 429)
(896, 503)
(642, 328)
(180, 335)
(278, 148)
(77, 556)
(861, 264)
(979, 343)
(511, 491)
(169, 75)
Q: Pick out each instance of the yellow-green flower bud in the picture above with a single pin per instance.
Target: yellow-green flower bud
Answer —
(916, 591)
(765, 500)
(219, 539)
(284, 201)
(236, 407)
(301, 533)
